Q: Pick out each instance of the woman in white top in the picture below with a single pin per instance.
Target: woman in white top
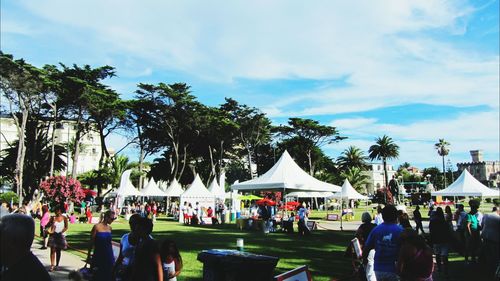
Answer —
(57, 241)
(171, 260)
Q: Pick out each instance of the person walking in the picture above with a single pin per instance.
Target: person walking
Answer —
(417, 217)
(302, 212)
(440, 236)
(44, 222)
(362, 234)
(385, 240)
(378, 218)
(448, 217)
(102, 259)
(57, 240)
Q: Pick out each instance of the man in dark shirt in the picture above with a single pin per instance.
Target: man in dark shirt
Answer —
(17, 232)
(417, 217)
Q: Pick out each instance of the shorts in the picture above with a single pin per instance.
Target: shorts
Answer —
(441, 249)
(386, 276)
(43, 232)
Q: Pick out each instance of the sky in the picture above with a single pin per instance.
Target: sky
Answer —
(416, 71)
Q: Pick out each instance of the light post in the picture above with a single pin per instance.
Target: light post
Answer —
(401, 182)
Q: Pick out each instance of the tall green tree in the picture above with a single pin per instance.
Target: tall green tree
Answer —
(254, 128)
(310, 136)
(442, 148)
(384, 149)
(80, 97)
(37, 160)
(24, 87)
(352, 157)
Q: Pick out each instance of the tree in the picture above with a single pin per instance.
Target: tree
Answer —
(254, 128)
(58, 189)
(356, 177)
(23, 86)
(77, 89)
(352, 157)
(443, 150)
(384, 149)
(37, 160)
(310, 136)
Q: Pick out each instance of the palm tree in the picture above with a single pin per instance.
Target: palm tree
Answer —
(356, 177)
(442, 150)
(352, 157)
(384, 149)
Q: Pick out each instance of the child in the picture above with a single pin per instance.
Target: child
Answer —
(72, 218)
(171, 259)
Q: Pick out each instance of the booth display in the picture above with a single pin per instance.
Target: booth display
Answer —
(152, 190)
(197, 192)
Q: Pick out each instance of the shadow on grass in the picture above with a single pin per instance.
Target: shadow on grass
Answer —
(322, 251)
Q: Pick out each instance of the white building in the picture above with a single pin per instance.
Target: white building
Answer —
(376, 176)
(90, 146)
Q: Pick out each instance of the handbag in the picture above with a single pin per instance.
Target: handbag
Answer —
(86, 272)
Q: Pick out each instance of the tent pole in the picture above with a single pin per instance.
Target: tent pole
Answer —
(341, 212)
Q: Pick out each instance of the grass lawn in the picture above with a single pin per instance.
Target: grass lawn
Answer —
(322, 251)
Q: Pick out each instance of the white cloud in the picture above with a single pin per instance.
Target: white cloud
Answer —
(352, 123)
(466, 132)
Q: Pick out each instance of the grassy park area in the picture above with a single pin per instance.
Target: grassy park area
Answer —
(322, 251)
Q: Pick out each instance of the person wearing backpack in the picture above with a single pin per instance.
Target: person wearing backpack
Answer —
(472, 229)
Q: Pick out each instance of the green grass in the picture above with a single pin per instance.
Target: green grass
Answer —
(322, 251)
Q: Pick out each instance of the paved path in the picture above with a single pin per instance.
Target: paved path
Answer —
(68, 263)
(353, 225)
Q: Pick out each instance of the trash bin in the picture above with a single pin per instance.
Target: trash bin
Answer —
(231, 216)
(232, 265)
(238, 215)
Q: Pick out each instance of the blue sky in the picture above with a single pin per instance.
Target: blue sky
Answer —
(414, 70)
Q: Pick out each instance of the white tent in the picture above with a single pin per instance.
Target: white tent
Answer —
(197, 192)
(286, 175)
(303, 194)
(348, 192)
(216, 190)
(174, 189)
(152, 189)
(467, 185)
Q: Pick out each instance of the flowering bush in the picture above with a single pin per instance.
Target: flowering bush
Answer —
(58, 189)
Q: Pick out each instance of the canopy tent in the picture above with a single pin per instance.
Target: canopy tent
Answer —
(348, 192)
(467, 185)
(174, 189)
(314, 194)
(126, 188)
(198, 193)
(286, 174)
(217, 190)
(152, 189)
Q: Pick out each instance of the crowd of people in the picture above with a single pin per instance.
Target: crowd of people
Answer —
(393, 250)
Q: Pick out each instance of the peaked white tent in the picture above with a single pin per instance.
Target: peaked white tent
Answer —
(348, 192)
(467, 185)
(174, 189)
(125, 189)
(152, 189)
(286, 175)
(314, 194)
(197, 192)
(216, 190)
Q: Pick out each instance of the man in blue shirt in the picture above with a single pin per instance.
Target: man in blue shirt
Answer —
(385, 240)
